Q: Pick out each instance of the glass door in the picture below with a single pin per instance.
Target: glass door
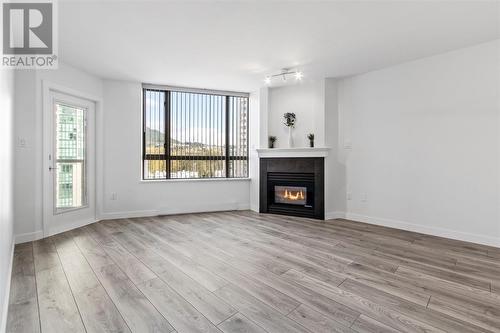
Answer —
(69, 164)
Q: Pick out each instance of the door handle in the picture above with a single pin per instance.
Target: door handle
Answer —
(50, 168)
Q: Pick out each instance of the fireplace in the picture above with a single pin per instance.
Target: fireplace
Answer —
(292, 186)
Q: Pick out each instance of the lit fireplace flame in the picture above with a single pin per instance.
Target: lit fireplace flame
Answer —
(297, 196)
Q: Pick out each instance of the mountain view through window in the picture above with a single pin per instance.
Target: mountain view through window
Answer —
(194, 135)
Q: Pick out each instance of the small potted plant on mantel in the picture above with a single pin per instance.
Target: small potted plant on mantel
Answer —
(310, 136)
(272, 140)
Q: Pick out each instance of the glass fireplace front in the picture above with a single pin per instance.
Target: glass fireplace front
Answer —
(293, 195)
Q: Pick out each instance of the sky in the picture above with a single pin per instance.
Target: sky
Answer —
(194, 117)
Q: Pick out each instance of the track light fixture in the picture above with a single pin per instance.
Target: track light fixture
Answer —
(285, 72)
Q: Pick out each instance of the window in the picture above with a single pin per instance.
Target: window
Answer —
(70, 160)
(194, 134)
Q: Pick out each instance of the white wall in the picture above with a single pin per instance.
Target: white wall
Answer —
(306, 100)
(122, 168)
(425, 144)
(257, 139)
(335, 169)
(263, 117)
(6, 187)
(28, 128)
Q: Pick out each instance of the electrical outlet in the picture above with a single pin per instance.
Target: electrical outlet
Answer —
(114, 196)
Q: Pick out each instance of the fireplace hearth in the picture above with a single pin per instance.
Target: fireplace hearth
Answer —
(292, 186)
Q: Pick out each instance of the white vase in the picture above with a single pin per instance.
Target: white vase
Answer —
(290, 137)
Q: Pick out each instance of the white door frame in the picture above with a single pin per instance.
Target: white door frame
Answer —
(47, 88)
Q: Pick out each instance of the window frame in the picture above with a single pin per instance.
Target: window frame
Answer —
(168, 158)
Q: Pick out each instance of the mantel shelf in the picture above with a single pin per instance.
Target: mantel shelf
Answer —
(293, 152)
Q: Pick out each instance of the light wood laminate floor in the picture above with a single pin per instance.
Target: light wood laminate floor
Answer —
(248, 272)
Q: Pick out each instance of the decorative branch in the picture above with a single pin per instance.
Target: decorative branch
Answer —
(289, 119)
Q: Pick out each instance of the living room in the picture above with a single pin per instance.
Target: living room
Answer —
(250, 166)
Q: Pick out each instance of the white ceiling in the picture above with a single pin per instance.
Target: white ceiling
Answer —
(234, 45)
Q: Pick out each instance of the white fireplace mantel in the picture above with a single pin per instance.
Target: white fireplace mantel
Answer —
(293, 152)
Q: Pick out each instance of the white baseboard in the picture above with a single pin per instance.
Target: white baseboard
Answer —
(242, 206)
(433, 231)
(128, 214)
(36, 235)
(28, 237)
(5, 309)
(334, 215)
(201, 208)
(70, 226)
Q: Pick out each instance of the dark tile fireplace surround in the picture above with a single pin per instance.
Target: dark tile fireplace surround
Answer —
(293, 186)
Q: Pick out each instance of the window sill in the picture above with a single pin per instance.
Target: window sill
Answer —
(195, 180)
